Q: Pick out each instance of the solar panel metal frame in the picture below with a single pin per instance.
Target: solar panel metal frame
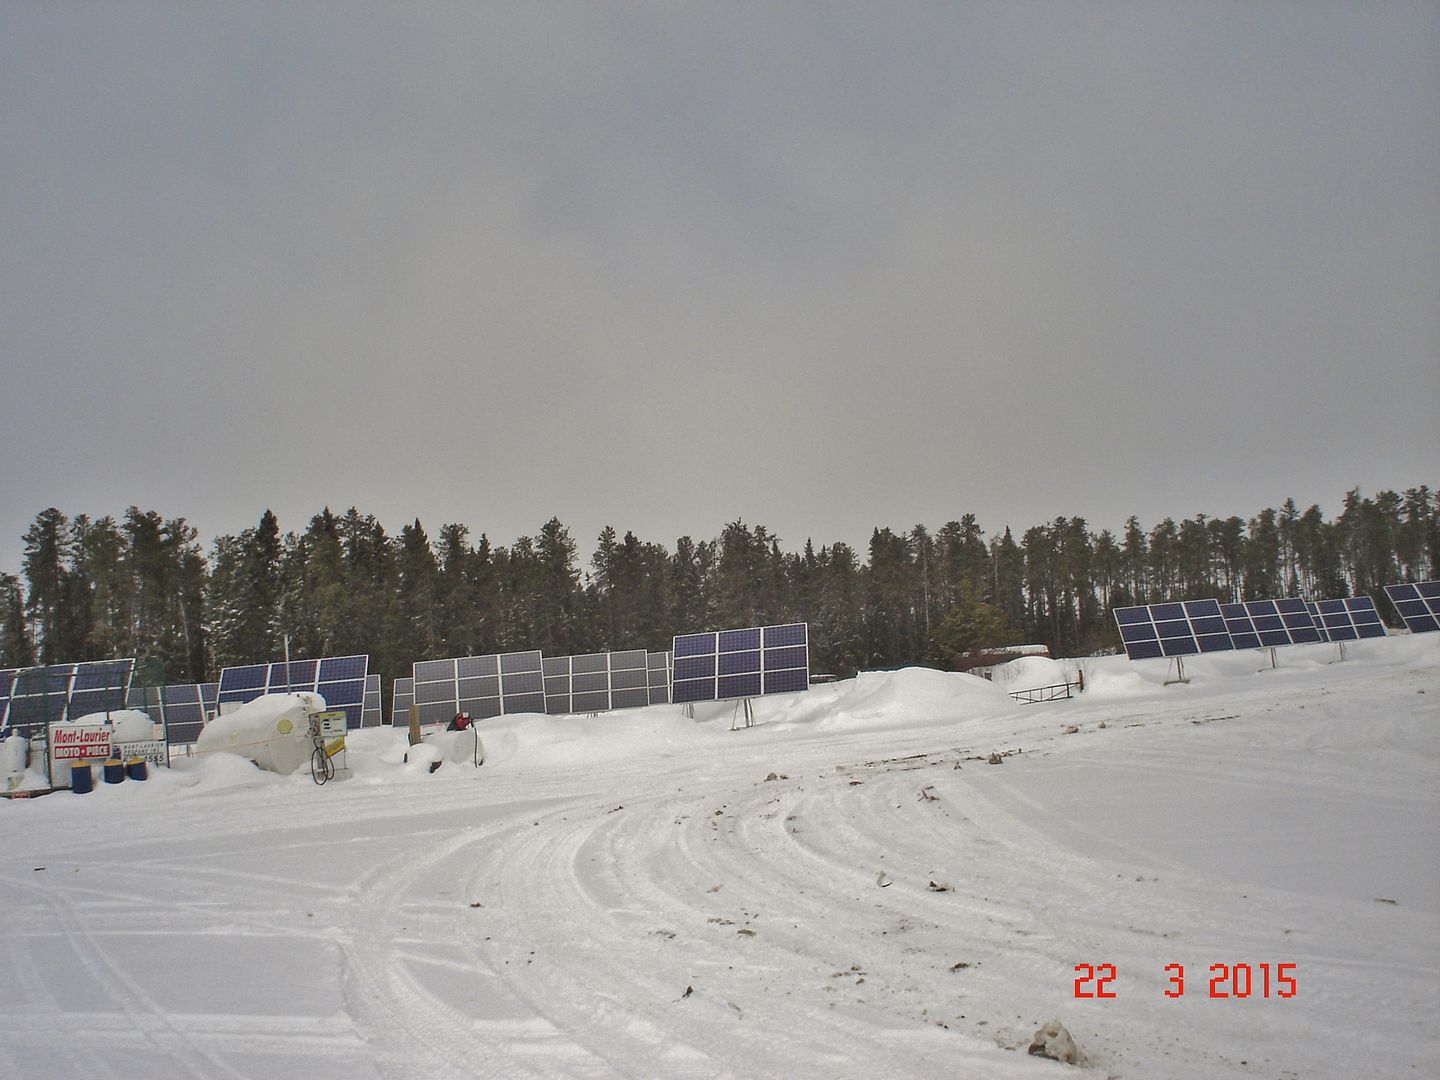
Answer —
(496, 684)
(729, 665)
(1417, 604)
(340, 680)
(1348, 618)
(1173, 629)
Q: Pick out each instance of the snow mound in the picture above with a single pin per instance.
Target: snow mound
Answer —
(913, 696)
(1033, 672)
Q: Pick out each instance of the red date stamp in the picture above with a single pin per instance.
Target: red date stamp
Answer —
(1225, 980)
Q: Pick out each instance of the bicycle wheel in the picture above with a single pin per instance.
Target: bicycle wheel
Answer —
(322, 767)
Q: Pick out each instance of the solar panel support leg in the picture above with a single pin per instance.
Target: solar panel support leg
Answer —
(1178, 664)
(743, 703)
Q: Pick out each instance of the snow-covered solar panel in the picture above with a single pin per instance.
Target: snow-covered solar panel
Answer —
(750, 662)
(340, 680)
(481, 686)
(1347, 619)
(1418, 605)
(1181, 628)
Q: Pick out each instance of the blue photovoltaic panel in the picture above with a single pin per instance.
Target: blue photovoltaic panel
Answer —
(749, 662)
(482, 686)
(340, 680)
(1347, 619)
(1418, 605)
(31, 698)
(1259, 624)
(184, 708)
(1183, 628)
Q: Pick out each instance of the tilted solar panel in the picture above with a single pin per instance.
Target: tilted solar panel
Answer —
(1182, 628)
(400, 702)
(33, 698)
(481, 686)
(1347, 619)
(340, 680)
(751, 662)
(1418, 605)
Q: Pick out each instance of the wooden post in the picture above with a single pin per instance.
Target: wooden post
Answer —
(414, 723)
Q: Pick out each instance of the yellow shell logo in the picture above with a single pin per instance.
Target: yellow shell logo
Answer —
(285, 726)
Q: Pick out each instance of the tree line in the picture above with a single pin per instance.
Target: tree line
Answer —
(144, 586)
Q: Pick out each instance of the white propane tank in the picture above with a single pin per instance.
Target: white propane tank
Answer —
(273, 731)
(14, 756)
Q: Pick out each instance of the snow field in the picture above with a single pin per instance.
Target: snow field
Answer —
(630, 896)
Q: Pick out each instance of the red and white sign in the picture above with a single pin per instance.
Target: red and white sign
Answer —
(72, 742)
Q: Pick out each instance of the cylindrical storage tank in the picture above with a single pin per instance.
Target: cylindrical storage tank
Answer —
(273, 731)
(113, 771)
(14, 755)
(82, 781)
(135, 769)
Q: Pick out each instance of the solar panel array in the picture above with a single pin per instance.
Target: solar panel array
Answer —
(1347, 619)
(1175, 629)
(1418, 605)
(32, 698)
(597, 682)
(1189, 627)
(730, 664)
(1259, 624)
(182, 707)
(340, 680)
(482, 686)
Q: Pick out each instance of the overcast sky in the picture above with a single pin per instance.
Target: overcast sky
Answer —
(816, 266)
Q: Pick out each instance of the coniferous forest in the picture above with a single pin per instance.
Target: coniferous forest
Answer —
(146, 587)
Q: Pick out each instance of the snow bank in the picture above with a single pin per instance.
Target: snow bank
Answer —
(912, 696)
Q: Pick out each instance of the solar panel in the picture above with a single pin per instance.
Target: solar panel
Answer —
(371, 715)
(400, 701)
(340, 680)
(1347, 619)
(482, 686)
(596, 682)
(1182, 628)
(36, 697)
(1259, 624)
(730, 664)
(657, 669)
(183, 707)
(1418, 605)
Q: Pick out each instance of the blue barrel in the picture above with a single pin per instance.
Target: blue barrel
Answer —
(82, 781)
(135, 768)
(113, 771)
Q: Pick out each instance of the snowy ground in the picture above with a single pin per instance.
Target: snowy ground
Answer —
(630, 896)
